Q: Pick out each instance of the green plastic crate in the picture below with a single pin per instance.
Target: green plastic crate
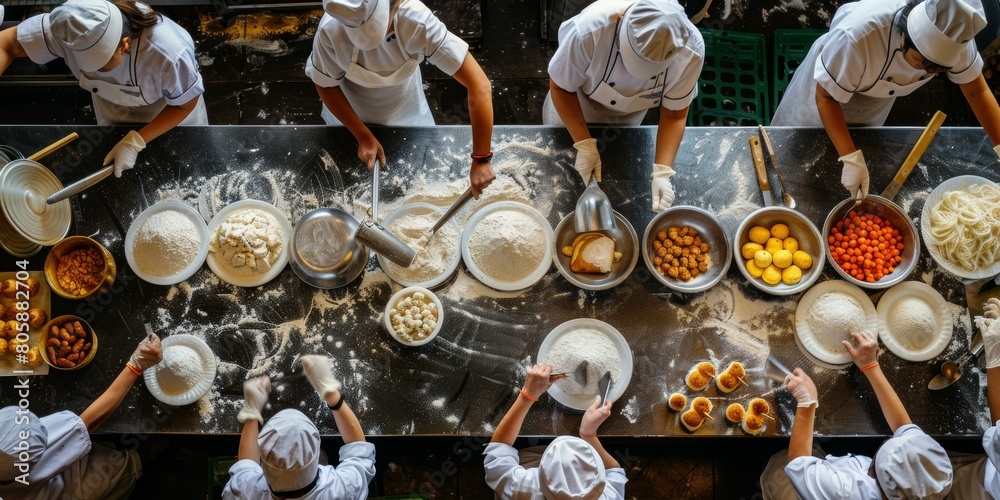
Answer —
(790, 49)
(732, 89)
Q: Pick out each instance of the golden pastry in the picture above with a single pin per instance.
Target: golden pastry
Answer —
(677, 401)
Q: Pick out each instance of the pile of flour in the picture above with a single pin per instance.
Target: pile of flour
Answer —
(833, 317)
(593, 346)
(434, 255)
(508, 245)
(165, 244)
(913, 323)
(179, 371)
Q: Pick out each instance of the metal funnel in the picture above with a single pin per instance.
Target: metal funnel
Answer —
(379, 240)
(594, 211)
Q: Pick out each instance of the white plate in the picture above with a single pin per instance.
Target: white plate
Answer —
(203, 385)
(582, 403)
(954, 184)
(199, 258)
(222, 271)
(391, 269)
(933, 299)
(543, 265)
(804, 334)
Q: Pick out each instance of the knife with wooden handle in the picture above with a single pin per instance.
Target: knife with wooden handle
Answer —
(930, 131)
(758, 165)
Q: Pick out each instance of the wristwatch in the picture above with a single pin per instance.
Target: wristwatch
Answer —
(483, 158)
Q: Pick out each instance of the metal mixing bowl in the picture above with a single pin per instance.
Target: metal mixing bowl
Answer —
(564, 235)
(887, 210)
(800, 228)
(323, 250)
(711, 232)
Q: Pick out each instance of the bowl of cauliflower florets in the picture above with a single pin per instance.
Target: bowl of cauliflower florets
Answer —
(413, 316)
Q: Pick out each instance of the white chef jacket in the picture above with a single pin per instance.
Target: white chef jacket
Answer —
(70, 468)
(588, 55)
(510, 480)
(845, 477)
(860, 63)
(416, 34)
(161, 62)
(348, 480)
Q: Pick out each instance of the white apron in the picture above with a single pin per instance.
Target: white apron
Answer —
(969, 478)
(125, 104)
(396, 99)
(607, 105)
(867, 107)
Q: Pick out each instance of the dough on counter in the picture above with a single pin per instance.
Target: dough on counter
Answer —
(832, 317)
(913, 323)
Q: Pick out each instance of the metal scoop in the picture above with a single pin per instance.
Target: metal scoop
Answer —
(372, 235)
(579, 374)
(594, 212)
(448, 214)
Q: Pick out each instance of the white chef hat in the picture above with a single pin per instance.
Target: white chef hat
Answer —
(366, 20)
(651, 33)
(571, 468)
(913, 465)
(939, 29)
(90, 29)
(14, 449)
(289, 451)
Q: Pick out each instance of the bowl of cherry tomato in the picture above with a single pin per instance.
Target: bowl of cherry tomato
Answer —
(873, 245)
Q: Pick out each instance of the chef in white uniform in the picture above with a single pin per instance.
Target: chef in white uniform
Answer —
(282, 459)
(616, 60)
(138, 66)
(910, 464)
(52, 457)
(980, 479)
(876, 51)
(365, 64)
(569, 467)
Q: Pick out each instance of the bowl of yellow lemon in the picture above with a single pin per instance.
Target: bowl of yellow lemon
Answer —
(779, 251)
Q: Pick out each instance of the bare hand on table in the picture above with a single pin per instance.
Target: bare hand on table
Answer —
(802, 388)
(369, 149)
(480, 176)
(595, 416)
(866, 352)
(537, 381)
(148, 353)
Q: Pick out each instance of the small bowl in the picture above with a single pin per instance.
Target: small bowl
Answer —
(393, 270)
(43, 340)
(67, 245)
(800, 228)
(402, 294)
(887, 210)
(564, 235)
(199, 257)
(711, 232)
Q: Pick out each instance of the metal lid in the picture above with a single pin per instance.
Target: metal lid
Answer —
(24, 185)
(324, 253)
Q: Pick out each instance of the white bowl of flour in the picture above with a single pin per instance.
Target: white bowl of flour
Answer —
(185, 373)
(507, 245)
(604, 348)
(436, 258)
(166, 243)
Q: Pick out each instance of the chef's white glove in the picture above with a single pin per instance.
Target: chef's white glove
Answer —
(991, 334)
(588, 160)
(802, 388)
(855, 173)
(148, 353)
(991, 309)
(663, 191)
(319, 371)
(255, 393)
(125, 152)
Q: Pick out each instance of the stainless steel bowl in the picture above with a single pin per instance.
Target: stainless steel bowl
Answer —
(628, 245)
(887, 210)
(711, 232)
(800, 228)
(323, 252)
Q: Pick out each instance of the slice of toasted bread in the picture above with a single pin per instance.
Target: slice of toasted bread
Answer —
(594, 255)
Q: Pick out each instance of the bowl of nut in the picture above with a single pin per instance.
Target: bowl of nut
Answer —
(413, 316)
(780, 250)
(686, 249)
(78, 268)
(69, 343)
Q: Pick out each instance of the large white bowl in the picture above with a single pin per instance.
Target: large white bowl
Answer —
(195, 264)
(954, 184)
(392, 269)
(223, 271)
(804, 333)
(402, 294)
(619, 386)
(543, 265)
(931, 297)
(203, 385)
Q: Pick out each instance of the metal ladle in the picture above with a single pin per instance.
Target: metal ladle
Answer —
(594, 211)
(951, 371)
(372, 235)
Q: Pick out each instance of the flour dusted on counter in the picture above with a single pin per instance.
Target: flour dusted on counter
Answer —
(165, 243)
(249, 241)
(833, 317)
(508, 245)
(179, 371)
(434, 255)
(596, 348)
